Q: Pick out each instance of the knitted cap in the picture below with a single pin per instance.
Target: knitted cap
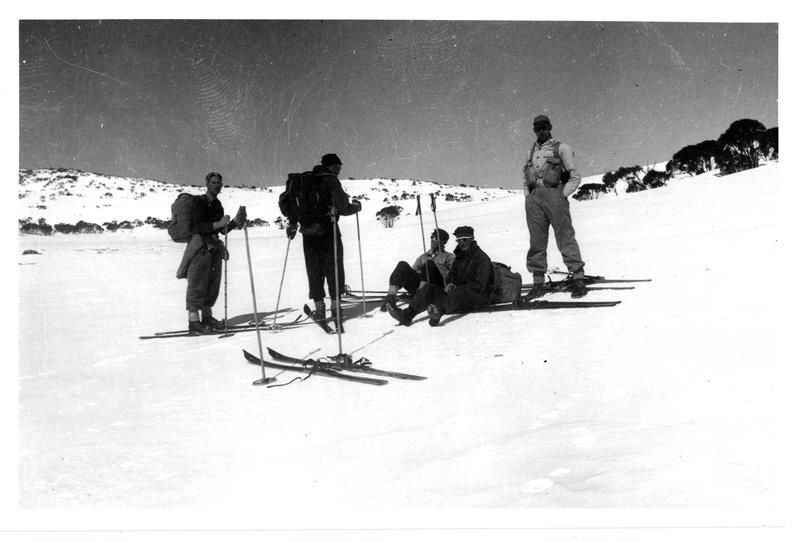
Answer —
(330, 160)
(443, 235)
(543, 119)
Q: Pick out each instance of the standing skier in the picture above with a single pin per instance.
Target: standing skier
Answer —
(432, 266)
(550, 177)
(469, 284)
(318, 235)
(202, 259)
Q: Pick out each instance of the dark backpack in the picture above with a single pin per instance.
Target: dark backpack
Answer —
(303, 200)
(180, 227)
(507, 284)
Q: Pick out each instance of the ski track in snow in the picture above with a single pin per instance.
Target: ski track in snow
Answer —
(662, 401)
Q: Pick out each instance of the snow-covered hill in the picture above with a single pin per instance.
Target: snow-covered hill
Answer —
(67, 196)
(671, 400)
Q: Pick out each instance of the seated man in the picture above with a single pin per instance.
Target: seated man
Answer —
(431, 267)
(469, 284)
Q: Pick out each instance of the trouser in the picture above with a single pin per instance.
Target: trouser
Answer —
(544, 207)
(321, 264)
(203, 279)
(459, 299)
(404, 276)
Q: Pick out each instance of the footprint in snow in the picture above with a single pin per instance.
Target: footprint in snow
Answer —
(585, 439)
(537, 485)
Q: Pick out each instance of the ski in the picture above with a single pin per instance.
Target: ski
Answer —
(348, 301)
(368, 293)
(368, 298)
(359, 367)
(247, 326)
(240, 328)
(566, 286)
(539, 304)
(590, 279)
(315, 370)
(221, 332)
(321, 323)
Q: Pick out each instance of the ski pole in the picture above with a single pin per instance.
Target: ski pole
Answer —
(336, 280)
(280, 288)
(421, 229)
(264, 379)
(361, 265)
(435, 221)
(225, 269)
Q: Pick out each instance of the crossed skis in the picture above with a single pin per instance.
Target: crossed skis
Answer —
(333, 367)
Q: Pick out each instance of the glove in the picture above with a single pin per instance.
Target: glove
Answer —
(357, 204)
(291, 231)
(241, 217)
(223, 222)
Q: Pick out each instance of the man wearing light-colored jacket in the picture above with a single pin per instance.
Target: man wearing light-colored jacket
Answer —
(550, 177)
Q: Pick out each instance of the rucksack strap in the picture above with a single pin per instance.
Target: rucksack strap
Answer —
(556, 150)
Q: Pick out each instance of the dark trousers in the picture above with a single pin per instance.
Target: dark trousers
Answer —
(545, 207)
(459, 299)
(404, 276)
(203, 279)
(321, 264)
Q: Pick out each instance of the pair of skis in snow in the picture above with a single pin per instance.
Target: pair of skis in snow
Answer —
(338, 367)
(231, 329)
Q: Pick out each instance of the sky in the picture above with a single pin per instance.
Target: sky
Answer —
(435, 100)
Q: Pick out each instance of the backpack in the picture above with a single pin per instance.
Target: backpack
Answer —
(303, 200)
(507, 284)
(180, 227)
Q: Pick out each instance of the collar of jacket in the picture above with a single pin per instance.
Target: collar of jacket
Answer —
(439, 254)
(322, 171)
(464, 253)
(550, 141)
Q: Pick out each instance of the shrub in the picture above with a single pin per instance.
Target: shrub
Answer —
(157, 222)
(610, 178)
(628, 174)
(80, 227)
(769, 144)
(32, 228)
(124, 225)
(388, 215)
(739, 147)
(694, 159)
(655, 179)
(591, 191)
(635, 186)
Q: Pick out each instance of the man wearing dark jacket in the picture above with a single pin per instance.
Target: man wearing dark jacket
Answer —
(202, 258)
(319, 234)
(469, 284)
